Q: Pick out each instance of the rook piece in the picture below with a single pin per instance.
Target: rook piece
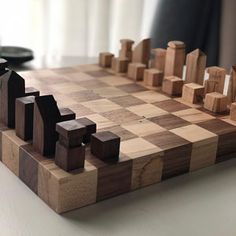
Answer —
(193, 93)
(175, 57)
(91, 128)
(195, 67)
(46, 115)
(141, 52)
(231, 92)
(70, 152)
(105, 145)
(216, 80)
(12, 87)
(216, 102)
(126, 49)
(24, 117)
(158, 62)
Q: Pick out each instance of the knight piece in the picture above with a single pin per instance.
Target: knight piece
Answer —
(195, 67)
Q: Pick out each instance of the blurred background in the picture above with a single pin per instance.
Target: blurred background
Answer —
(76, 30)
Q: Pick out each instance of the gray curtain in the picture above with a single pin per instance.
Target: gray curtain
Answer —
(196, 22)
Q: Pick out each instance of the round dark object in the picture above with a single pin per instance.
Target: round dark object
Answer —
(3, 64)
(16, 55)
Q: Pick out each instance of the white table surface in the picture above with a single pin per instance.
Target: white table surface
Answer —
(198, 203)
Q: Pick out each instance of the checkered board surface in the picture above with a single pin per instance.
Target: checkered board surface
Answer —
(161, 137)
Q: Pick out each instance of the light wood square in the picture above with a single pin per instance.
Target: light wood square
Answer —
(138, 147)
(193, 115)
(66, 88)
(101, 121)
(143, 127)
(151, 96)
(109, 92)
(204, 146)
(64, 100)
(147, 170)
(10, 150)
(101, 105)
(193, 133)
(147, 110)
(64, 191)
(115, 80)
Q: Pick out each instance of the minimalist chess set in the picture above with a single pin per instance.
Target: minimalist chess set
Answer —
(126, 123)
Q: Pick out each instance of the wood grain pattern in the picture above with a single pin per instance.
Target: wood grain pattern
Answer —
(175, 58)
(64, 191)
(10, 150)
(24, 114)
(114, 178)
(226, 138)
(195, 67)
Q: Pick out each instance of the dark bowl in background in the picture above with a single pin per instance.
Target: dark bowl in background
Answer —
(16, 55)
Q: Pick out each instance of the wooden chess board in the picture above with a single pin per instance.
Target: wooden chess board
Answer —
(161, 137)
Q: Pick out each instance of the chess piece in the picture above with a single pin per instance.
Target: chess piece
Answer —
(193, 93)
(153, 77)
(31, 91)
(175, 57)
(216, 80)
(195, 67)
(70, 151)
(126, 49)
(66, 114)
(24, 117)
(216, 102)
(105, 145)
(12, 87)
(46, 115)
(105, 59)
(172, 85)
(231, 92)
(159, 57)
(91, 128)
(141, 52)
(136, 71)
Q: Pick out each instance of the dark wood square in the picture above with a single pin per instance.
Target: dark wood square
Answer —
(98, 73)
(92, 84)
(132, 88)
(177, 153)
(171, 105)
(29, 160)
(226, 148)
(121, 132)
(127, 101)
(114, 178)
(121, 116)
(169, 121)
(84, 96)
